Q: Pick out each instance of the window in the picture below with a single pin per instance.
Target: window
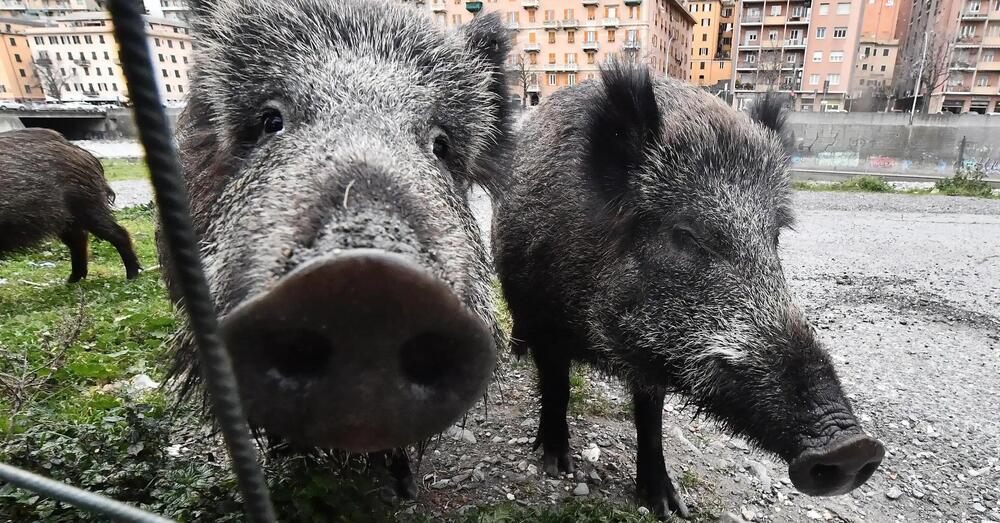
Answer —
(702, 51)
(13, 42)
(571, 36)
(840, 32)
(173, 59)
(834, 79)
(706, 22)
(611, 35)
(843, 9)
(704, 37)
(23, 74)
(166, 74)
(775, 10)
(106, 56)
(552, 58)
(882, 69)
(701, 66)
(772, 35)
(168, 88)
(17, 58)
(570, 58)
(864, 67)
(571, 79)
(552, 79)
(885, 52)
(814, 79)
(820, 33)
(552, 37)
(836, 56)
(161, 58)
(693, 8)
(39, 40)
(824, 9)
(89, 39)
(817, 56)
(100, 38)
(983, 81)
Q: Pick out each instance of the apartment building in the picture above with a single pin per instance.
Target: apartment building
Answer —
(76, 57)
(47, 8)
(711, 49)
(17, 69)
(973, 83)
(877, 52)
(802, 48)
(557, 43)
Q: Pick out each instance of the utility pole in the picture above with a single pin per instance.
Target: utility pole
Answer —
(920, 73)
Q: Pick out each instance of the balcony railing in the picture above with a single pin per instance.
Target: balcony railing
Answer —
(591, 2)
(969, 40)
(534, 88)
(591, 47)
(439, 6)
(632, 45)
(611, 22)
(529, 4)
(746, 65)
(963, 64)
(793, 42)
(551, 24)
(958, 88)
(973, 15)
(532, 48)
(553, 68)
(633, 2)
(571, 23)
(754, 19)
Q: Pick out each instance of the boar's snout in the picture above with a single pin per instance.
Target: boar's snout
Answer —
(360, 351)
(837, 468)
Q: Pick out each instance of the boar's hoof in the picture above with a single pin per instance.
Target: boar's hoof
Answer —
(132, 274)
(74, 278)
(663, 504)
(836, 468)
(556, 464)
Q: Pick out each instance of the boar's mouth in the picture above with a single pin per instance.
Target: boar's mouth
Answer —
(360, 351)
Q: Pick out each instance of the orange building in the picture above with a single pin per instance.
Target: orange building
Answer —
(877, 51)
(18, 81)
(711, 50)
(556, 43)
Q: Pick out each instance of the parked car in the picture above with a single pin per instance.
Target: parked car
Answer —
(8, 105)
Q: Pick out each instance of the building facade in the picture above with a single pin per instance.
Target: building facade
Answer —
(45, 8)
(18, 81)
(76, 58)
(875, 66)
(711, 49)
(557, 43)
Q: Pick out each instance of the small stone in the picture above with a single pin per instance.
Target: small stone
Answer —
(532, 469)
(460, 478)
(978, 507)
(975, 473)
(595, 477)
(917, 494)
(747, 513)
(814, 514)
(510, 496)
(760, 471)
(893, 493)
(581, 490)
(478, 475)
(497, 439)
(522, 465)
(440, 484)
(591, 454)
(729, 517)
(643, 511)
(739, 444)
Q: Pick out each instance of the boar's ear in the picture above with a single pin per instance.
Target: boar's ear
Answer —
(623, 123)
(769, 111)
(487, 36)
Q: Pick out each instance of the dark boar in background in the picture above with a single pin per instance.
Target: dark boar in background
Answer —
(50, 188)
(328, 147)
(640, 235)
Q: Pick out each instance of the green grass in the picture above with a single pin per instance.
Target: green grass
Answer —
(964, 183)
(116, 169)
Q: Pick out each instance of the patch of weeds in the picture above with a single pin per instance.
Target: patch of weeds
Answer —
(855, 184)
(117, 169)
(689, 480)
(571, 512)
(584, 400)
(966, 182)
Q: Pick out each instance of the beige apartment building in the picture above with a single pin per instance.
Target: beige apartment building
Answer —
(802, 48)
(877, 53)
(711, 49)
(46, 8)
(76, 58)
(556, 43)
(18, 82)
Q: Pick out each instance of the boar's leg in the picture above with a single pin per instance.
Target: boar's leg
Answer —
(396, 464)
(553, 431)
(106, 228)
(654, 484)
(76, 239)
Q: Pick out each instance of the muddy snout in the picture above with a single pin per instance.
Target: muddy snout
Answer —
(359, 351)
(837, 468)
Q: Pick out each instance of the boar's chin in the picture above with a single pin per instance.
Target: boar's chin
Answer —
(360, 351)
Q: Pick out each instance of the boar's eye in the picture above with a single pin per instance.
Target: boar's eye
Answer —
(272, 122)
(441, 146)
(686, 239)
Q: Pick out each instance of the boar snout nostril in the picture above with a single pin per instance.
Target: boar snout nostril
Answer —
(428, 358)
(837, 468)
(304, 354)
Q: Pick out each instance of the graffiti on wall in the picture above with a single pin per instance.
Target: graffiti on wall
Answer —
(837, 159)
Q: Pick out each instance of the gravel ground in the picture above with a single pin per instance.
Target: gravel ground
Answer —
(905, 292)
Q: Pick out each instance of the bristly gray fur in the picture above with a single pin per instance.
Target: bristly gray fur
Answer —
(358, 82)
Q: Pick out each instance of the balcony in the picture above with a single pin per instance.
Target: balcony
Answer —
(439, 6)
(532, 48)
(984, 89)
(529, 4)
(556, 68)
(744, 86)
(973, 15)
(591, 47)
(962, 64)
(798, 19)
(633, 2)
(534, 88)
(591, 2)
(991, 41)
(750, 43)
(989, 66)
(746, 65)
(611, 22)
(473, 7)
(795, 42)
(750, 19)
(570, 24)
(551, 25)
(631, 45)
(958, 88)
(968, 41)
(774, 20)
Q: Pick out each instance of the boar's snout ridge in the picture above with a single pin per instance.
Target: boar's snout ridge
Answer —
(837, 468)
(362, 350)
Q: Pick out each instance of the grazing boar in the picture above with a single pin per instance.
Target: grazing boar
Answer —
(50, 188)
(328, 147)
(639, 234)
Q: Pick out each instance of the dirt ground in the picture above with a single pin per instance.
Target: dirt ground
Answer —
(905, 292)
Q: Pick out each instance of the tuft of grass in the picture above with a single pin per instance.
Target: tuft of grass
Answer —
(966, 182)
(583, 400)
(856, 184)
(117, 169)
(571, 512)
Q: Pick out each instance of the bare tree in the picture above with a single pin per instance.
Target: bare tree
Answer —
(769, 68)
(520, 76)
(935, 68)
(51, 77)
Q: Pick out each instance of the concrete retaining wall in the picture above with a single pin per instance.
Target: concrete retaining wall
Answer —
(883, 143)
